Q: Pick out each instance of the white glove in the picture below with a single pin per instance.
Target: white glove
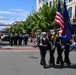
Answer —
(62, 47)
(53, 47)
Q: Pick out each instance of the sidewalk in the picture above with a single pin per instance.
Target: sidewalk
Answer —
(7, 46)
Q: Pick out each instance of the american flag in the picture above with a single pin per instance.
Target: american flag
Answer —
(63, 21)
(59, 19)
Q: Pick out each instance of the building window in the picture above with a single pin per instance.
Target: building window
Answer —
(70, 12)
(39, 1)
(66, 1)
(46, 0)
(70, 0)
(75, 10)
(50, 3)
(39, 9)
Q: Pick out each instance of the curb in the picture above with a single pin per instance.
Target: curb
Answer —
(18, 48)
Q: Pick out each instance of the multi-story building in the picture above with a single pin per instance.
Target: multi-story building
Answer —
(71, 6)
(40, 3)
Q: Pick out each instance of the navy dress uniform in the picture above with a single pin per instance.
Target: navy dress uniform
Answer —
(42, 44)
(58, 44)
(52, 47)
(66, 53)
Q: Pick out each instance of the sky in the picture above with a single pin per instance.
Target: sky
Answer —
(15, 10)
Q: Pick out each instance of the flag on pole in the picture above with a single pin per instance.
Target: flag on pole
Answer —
(62, 19)
(59, 19)
(67, 24)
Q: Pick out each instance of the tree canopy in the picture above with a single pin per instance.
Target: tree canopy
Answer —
(44, 20)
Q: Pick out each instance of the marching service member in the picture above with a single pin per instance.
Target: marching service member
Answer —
(58, 45)
(51, 38)
(43, 44)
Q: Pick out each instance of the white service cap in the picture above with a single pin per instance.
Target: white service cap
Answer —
(52, 31)
(44, 33)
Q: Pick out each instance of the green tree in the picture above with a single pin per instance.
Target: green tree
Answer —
(7, 29)
(44, 20)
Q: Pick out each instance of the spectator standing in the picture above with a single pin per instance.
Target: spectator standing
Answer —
(20, 39)
(25, 37)
(11, 39)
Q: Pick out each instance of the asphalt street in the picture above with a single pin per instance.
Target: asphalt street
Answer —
(27, 62)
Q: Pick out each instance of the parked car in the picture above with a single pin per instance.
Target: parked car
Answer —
(5, 37)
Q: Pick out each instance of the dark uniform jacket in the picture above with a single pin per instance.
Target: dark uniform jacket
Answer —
(43, 43)
(58, 42)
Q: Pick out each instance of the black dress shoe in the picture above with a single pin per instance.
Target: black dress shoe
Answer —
(42, 63)
(69, 64)
(57, 62)
(44, 66)
(62, 66)
(52, 64)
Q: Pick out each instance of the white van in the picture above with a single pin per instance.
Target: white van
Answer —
(5, 37)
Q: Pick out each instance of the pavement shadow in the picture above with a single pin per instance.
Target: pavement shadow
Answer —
(34, 57)
(72, 66)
